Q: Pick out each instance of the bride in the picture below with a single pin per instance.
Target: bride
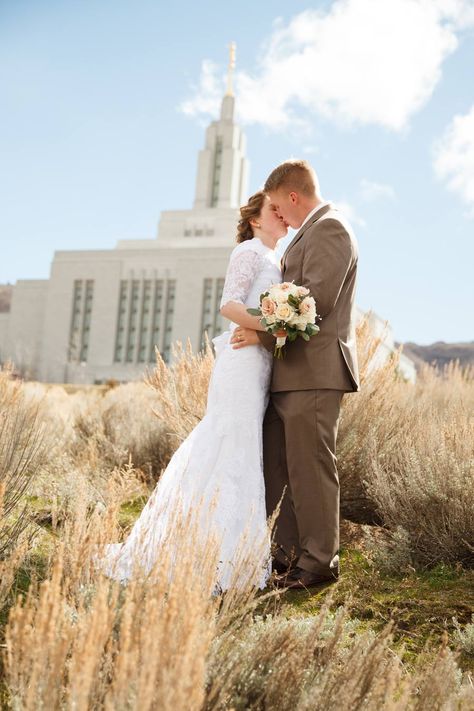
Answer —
(219, 465)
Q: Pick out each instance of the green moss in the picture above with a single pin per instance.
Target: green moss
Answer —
(422, 604)
(130, 510)
(128, 513)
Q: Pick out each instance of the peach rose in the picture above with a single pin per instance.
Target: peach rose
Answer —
(307, 309)
(267, 306)
(306, 305)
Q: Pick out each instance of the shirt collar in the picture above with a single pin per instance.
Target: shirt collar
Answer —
(314, 211)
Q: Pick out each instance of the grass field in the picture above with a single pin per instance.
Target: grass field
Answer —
(395, 632)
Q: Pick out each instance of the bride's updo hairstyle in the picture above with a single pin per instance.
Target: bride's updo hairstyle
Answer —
(250, 211)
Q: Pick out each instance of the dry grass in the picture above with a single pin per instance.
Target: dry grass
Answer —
(77, 640)
(71, 638)
(182, 389)
(406, 459)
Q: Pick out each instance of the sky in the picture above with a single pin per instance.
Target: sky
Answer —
(104, 103)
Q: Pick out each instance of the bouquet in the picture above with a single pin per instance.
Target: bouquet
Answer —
(288, 311)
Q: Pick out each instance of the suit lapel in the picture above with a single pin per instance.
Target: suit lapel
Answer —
(317, 215)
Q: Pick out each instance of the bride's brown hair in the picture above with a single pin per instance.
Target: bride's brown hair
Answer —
(250, 211)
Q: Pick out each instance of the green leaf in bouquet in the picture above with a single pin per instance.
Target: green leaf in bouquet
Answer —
(254, 312)
(304, 335)
(293, 301)
(292, 336)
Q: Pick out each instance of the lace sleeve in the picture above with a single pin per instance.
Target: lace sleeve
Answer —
(241, 273)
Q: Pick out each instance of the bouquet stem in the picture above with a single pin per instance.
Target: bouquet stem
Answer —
(278, 351)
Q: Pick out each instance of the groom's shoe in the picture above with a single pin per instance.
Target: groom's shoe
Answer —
(300, 579)
(282, 568)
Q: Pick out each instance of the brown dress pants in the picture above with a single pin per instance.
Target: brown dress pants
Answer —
(299, 453)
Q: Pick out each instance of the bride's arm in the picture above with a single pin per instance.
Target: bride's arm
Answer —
(244, 267)
(237, 313)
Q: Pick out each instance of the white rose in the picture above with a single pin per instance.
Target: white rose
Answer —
(280, 292)
(298, 322)
(283, 312)
(302, 291)
(280, 296)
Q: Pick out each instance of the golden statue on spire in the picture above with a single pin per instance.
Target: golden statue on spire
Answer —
(230, 72)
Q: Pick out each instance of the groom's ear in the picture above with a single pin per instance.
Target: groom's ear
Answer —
(293, 197)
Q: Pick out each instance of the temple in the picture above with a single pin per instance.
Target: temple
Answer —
(102, 313)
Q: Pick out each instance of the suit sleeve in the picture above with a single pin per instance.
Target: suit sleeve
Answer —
(328, 256)
(267, 340)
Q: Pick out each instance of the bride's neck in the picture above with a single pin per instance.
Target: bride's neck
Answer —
(267, 241)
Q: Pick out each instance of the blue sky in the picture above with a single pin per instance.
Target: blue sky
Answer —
(103, 107)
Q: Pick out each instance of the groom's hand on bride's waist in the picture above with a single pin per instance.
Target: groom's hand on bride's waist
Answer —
(242, 337)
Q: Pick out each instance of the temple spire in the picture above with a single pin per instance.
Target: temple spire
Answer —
(230, 70)
(222, 166)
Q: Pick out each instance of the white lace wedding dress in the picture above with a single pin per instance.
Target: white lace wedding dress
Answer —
(220, 463)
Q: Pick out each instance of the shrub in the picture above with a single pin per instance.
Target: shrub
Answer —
(406, 459)
(464, 638)
(119, 426)
(22, 449)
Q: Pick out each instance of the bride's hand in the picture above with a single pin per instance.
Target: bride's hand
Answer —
(242, 337)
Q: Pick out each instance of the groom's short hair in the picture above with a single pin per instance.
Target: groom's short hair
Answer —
(295, 175)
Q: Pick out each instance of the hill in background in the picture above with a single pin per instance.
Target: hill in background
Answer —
(6, 291)
(440, 353)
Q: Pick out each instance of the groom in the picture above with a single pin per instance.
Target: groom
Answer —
(301, 421)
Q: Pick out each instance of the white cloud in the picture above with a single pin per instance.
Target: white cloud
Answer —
(309, 149)
(207, 94)
(371, 191)
(350, 212)
(454, 157)
(359, 62)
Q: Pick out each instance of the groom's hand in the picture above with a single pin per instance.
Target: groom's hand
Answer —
(244, 337)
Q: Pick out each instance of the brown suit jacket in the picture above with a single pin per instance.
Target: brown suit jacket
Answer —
(323, 257)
